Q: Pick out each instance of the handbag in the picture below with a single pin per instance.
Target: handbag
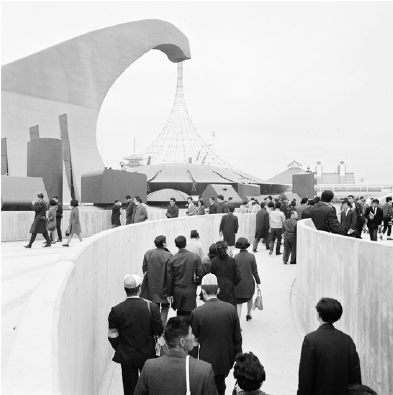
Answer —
(196, 279)
(258, 303)
(67, 232)
(160, 343)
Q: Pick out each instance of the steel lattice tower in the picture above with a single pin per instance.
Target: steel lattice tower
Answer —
(179, 139)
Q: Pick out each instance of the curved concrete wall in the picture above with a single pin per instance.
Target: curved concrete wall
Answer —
(61, 346)
(358, 273)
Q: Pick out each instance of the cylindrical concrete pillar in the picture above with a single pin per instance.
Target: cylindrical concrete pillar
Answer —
(45, 159)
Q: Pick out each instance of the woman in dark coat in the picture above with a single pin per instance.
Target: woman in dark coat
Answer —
(227, 272)
(39, 223)
(75, 225)
(244, 291)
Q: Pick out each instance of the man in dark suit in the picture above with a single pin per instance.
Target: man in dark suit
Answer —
(212, 205)
(348, 219)
(228, 228)
(329, 362)
(216, 326)
(167, 375)
(261, 228)
(129, 209)
(132, 326)
(323, 216)
(374, 215)
(116, 213)
(59, 216)
(360, 220)
(307, 211)
(181, 287)
(222, 206)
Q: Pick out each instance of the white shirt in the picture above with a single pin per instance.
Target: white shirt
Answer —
(194, 245)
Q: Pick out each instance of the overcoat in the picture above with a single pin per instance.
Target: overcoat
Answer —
(39, 223)
(180, 275)
(348, 221)
(51, 221)
(262, 224)
(228, 276)
(136, 327)
(373, 223)
(249, 272)
(325, 218)
(329, 363)
(155, 266)
(212, 209)
(139, 215)
(167, 376)
(229, 226)
(115, 217)
(75, 225)
(216, 325)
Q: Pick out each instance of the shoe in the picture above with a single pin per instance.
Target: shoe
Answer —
(254, 251)
(293, 263)
(47, 245)
(248, 317)
(278, 253)
(389, 238)
(380, 237)
(59, 241)
(270, 252)
(285, 263)
(65, 245)
(28, 246)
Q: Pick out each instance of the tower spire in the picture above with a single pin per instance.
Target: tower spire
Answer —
(179, 140)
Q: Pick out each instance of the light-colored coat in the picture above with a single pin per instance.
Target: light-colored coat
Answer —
(75, 225)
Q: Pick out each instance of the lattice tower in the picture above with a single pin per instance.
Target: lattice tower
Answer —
(179, 140)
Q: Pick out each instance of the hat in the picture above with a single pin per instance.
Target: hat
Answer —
(40, 195)
(209, 279)
(132, 281)
(242, 243)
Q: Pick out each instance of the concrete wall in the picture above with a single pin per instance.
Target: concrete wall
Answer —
(61, 346)
(358, 273)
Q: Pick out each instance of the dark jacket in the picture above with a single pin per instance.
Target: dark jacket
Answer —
(139, 214)
(249, 272)
(222, 207)
(373, 223)
(180, 275)
(130, 209)
(115, 218)
(228, 276)
(329, 363)
(284, 209)
(172, 211)
(348, 221)
(39, 223)
(216, 325)
(325, 218)
(306, 212)
(262, 224)
(212, 209)
(290, 228)
(136, 326)
(59, 213)
(167, 376)
(155, 266)
(229, 226)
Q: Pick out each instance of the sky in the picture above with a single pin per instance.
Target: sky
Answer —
(275, 81)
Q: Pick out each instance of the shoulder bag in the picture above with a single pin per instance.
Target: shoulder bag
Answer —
(188, 375)
(161, 346)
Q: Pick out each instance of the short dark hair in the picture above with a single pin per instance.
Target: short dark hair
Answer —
(304, 200)
(137, 198)
(212, 251)
(330, 310)
(201, 201)
(189, 198)
(263, 204)
(210, 289)
(173, 199)
(231, 208)
(212, 198)
(180, 242)
(278, 205)
(52, 203)
(293, 203)
(270, 204)
(311, 202)
(245, 202)
(230, 198)
(176, 328)
(388, 199)
(221, 248)
(194, 234)
(131, 291)
(327, 196)
(128, 197)
(358, 389)
(220, 197)
(248, 372)
(242, 243)
(375, 201)
(55, 197)
(117, 200)
(351, 196)
(159, 241)
(317, 199)
(74, 203)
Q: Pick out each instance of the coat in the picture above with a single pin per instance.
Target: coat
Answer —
(348, 221)
(262, 224)
(180, 275)
(115, 218)
(216, 325)
(222, 207)
(155, 266)
(139, 214)
(248, 269)
(130, 209)
(75, 225)
(172, 211)
(135, 326)
(306, 213)
(229, 226)
(212, 209)
(373, 223)
(51, 221)
(325, 218)
(228, 276)
(59, 211)
(329, 363)
(39, 223)
(167, 376)
(200, 210)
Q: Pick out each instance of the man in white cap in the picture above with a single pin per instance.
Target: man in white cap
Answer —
(132, 326)
(216, 326)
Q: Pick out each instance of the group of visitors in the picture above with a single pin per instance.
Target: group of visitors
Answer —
(51, 223)
(135, 212)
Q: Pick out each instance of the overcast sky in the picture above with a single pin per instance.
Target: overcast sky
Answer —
(275, 81)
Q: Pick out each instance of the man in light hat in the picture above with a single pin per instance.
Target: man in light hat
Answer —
(216, 326)
(132, 326)
(39, 223)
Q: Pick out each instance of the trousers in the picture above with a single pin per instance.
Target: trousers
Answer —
(386, 226)
(220, 383)
(289, 250)
(130, 377)
(275, 233)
